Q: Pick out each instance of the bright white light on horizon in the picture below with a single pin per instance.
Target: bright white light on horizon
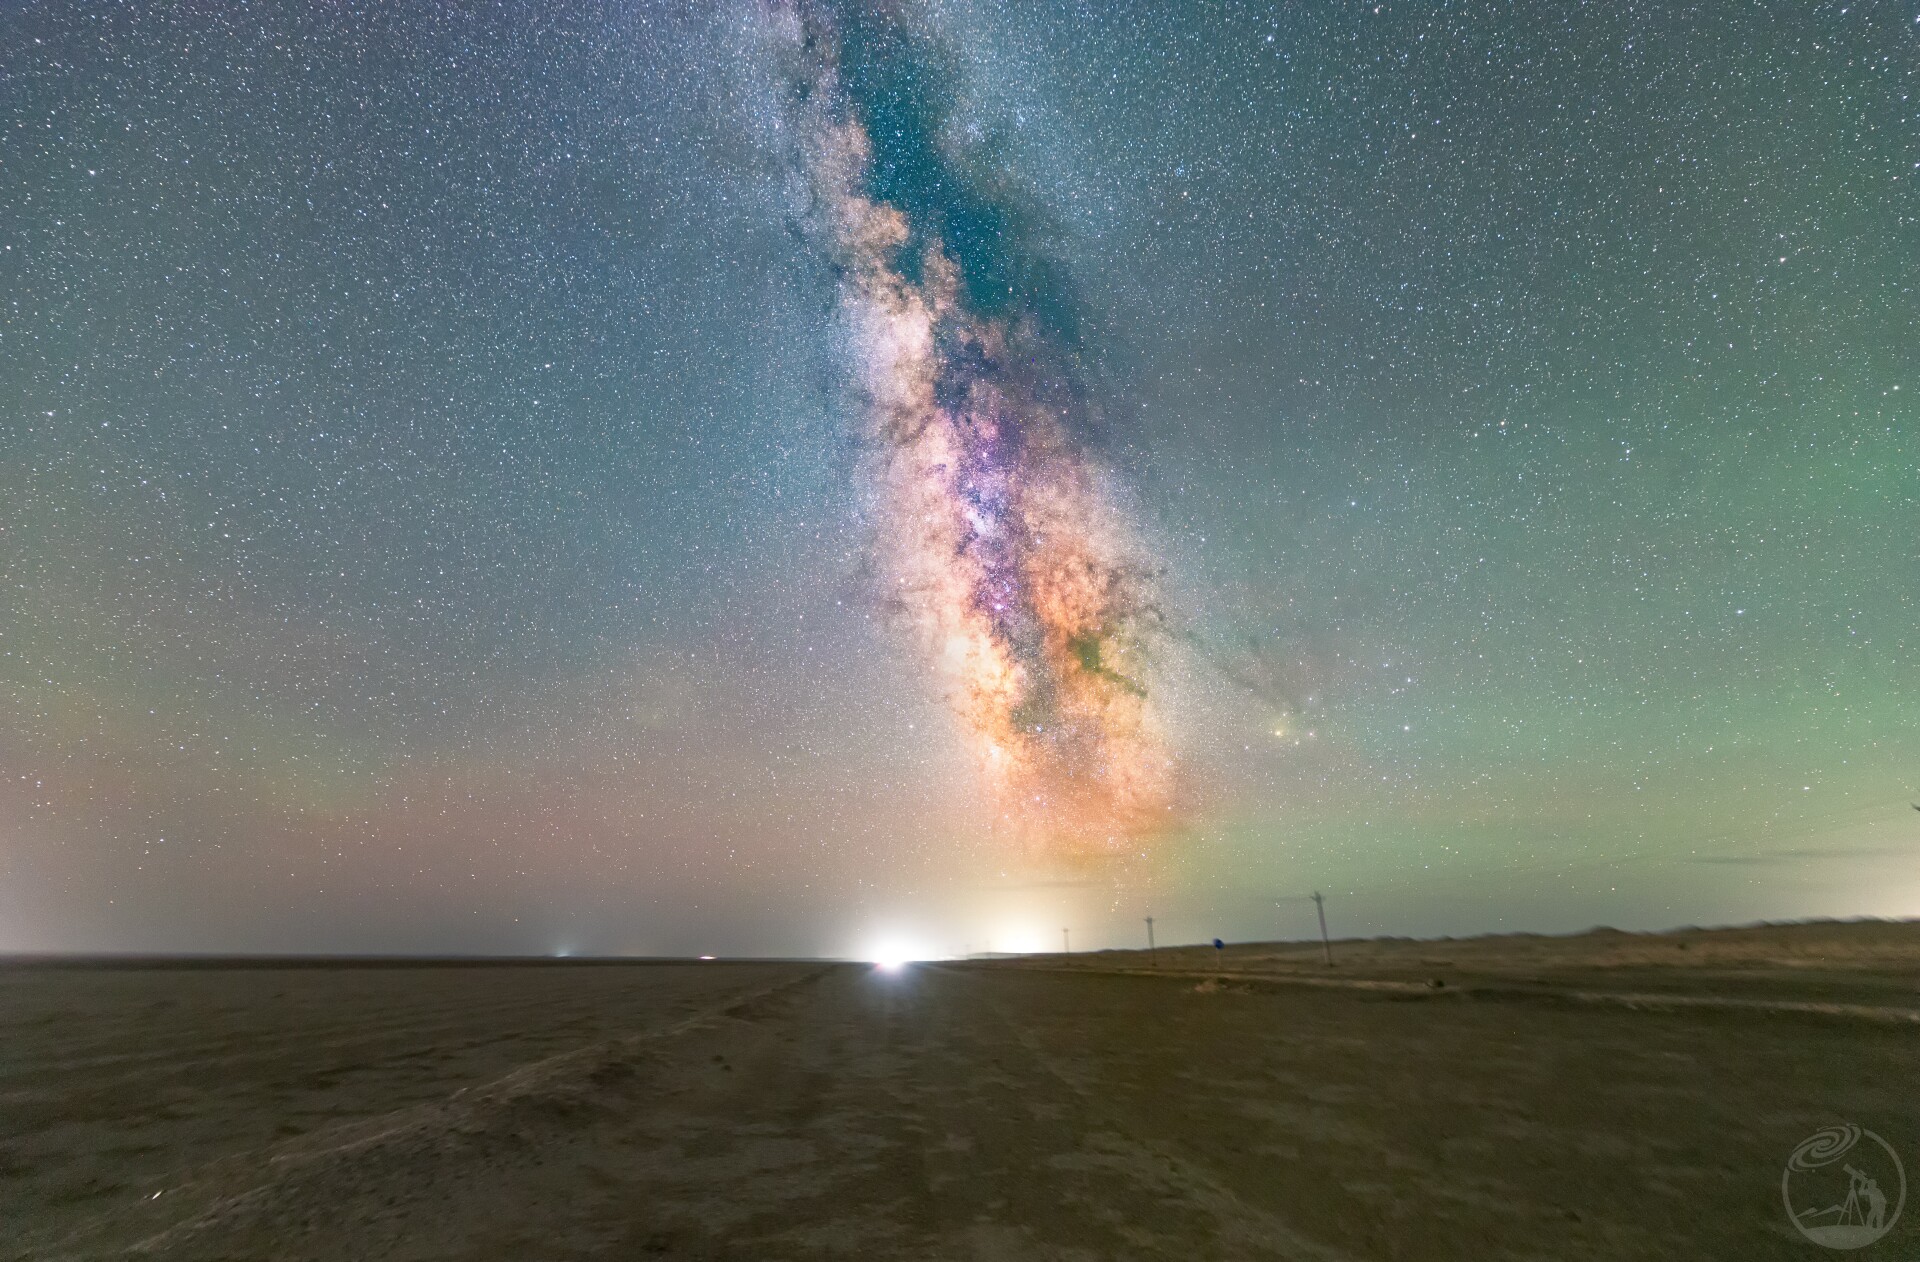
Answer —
(894, 953)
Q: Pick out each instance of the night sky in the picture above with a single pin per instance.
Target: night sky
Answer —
(846, 478)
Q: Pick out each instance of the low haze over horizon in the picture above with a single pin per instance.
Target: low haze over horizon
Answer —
(849, 479)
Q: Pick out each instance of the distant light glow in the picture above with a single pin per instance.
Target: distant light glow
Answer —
(894, 951)
(1022, 940)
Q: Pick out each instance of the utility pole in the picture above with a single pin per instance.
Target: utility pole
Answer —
(1066, 943)
(1320, 905)
(1153, 957)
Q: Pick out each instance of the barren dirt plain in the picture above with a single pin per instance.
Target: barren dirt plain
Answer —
(1600, 1096)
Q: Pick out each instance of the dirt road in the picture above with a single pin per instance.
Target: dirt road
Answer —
(965, 1112)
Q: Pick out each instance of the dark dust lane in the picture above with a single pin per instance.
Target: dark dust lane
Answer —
(980, 1113)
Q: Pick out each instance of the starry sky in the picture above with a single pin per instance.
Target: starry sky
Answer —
(452, 466)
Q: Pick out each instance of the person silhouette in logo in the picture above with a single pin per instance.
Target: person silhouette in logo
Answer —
(1862, 1187)
(1876, 1202)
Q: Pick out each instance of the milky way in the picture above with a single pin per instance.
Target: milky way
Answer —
(1011, 571)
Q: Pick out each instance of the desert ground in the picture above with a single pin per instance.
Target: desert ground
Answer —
(1605, 1095)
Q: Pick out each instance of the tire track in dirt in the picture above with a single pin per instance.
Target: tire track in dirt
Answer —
(1122, 1144)
(378, 1171)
